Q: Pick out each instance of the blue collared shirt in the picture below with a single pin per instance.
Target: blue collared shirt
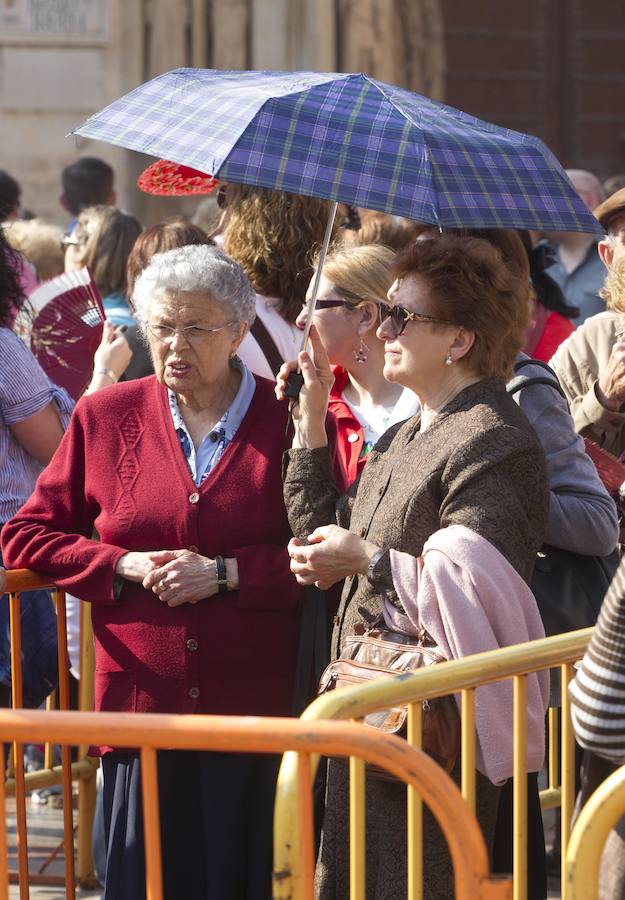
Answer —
(202, 461)
(581, 286)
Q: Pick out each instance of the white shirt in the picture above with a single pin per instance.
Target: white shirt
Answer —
(286, 337)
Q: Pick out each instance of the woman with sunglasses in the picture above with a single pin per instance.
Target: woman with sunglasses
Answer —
(194, 607)
(353, 285)
(467, 469)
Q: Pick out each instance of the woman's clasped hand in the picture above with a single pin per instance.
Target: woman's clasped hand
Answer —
(175, 576)
(332, 554)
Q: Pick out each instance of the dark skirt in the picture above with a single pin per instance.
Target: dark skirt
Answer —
(386, 850)
(216, 812)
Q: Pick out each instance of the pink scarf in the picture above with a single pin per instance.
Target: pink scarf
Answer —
(470, 599)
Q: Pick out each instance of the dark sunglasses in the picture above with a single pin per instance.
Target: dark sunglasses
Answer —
(326, 304)
(400, 316)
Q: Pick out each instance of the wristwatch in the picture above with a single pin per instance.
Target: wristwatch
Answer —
(375, 559)
(222, 579)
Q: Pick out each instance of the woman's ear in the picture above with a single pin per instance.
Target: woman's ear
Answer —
(461, 344)
(606, 253)
(369, 317)
(242, 329)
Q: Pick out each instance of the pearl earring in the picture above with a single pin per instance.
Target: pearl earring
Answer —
(448, 359)
(361, 354)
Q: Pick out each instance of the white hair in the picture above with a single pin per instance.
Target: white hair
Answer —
(196, 269)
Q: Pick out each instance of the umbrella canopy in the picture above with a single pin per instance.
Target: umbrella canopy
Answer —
(348, 138)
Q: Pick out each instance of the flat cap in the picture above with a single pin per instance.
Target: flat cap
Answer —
(610, 208)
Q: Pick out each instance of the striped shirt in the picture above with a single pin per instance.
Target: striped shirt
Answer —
(598, 690)
(25, 389)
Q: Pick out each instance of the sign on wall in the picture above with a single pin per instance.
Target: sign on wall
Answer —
(54, 20)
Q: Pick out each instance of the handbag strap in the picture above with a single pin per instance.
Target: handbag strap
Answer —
(267, 344)
(535, 379)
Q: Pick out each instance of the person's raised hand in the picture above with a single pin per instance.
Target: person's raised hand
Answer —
(611, 385)
(309, 411)
(114, 351)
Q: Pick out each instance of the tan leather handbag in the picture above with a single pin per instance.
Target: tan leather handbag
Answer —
(375, 651)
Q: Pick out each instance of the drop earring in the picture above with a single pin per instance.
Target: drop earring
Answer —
(448, 359)
(361, 354)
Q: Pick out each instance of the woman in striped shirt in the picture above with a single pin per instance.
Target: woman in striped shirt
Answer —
(33, 415)
(598, 711)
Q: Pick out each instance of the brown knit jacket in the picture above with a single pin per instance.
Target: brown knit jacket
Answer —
(479, 464)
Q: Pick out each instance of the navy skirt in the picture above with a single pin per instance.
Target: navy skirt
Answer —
(216, 812)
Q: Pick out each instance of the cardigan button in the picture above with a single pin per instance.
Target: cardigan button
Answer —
(353, 437)
(192, 645)
(363, 532)
(194, 497)
(194, 693)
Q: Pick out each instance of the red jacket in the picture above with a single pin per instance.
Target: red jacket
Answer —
(557, 329)
(349, 434)
(120, 469)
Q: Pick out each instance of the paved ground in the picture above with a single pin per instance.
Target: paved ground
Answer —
(45, 831)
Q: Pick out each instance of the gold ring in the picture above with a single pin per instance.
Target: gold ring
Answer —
(162, 587)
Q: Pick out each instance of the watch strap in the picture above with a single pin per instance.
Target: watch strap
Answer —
(222, 579)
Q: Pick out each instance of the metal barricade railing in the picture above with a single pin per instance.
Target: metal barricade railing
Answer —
(151, 732)
(599, 815)
(20, 783)
(457, 676)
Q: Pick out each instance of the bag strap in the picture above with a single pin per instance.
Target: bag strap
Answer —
(536, 379)
(267, 344)
(522, 363)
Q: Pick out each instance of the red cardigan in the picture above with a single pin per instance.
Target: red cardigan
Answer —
(120, 469)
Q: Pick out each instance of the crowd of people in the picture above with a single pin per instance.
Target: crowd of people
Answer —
(431, 458)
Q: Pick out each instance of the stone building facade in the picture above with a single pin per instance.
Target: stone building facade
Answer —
(551, 67)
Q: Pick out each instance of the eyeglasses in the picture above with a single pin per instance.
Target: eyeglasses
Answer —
(193, 334)
(326, 304)
(400, 316)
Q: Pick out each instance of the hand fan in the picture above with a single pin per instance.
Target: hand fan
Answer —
(62, 322)
(611, 470)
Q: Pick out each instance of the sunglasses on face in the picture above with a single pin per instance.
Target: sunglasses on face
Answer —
(399, 317)
(326, 304)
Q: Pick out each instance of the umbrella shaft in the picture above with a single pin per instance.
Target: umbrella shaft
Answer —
(312, 301)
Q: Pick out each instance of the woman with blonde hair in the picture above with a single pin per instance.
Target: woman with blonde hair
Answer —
(272, 235)
(354, 282)
(102, 240)
(40, 243)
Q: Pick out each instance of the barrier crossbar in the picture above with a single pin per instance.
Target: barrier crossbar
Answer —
(19, 783)
(456, 676)
(151, 732)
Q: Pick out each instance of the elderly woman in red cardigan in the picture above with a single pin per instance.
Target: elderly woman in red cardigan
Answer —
(194, 607)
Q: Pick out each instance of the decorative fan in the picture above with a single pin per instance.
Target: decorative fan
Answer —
(611, 470)
(62, 322)
(170, 179)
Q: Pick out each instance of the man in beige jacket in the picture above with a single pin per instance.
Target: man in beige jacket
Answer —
(591, 362)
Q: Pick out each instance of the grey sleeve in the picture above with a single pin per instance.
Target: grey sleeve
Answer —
(582, 515)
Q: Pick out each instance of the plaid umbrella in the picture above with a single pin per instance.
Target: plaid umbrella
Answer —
(349, 138)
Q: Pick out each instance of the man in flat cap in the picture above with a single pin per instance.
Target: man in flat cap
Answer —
(591, 362)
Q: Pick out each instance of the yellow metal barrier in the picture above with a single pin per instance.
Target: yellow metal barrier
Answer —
(457, 676)
(600, 814)
(20, 783)
(150, 732)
